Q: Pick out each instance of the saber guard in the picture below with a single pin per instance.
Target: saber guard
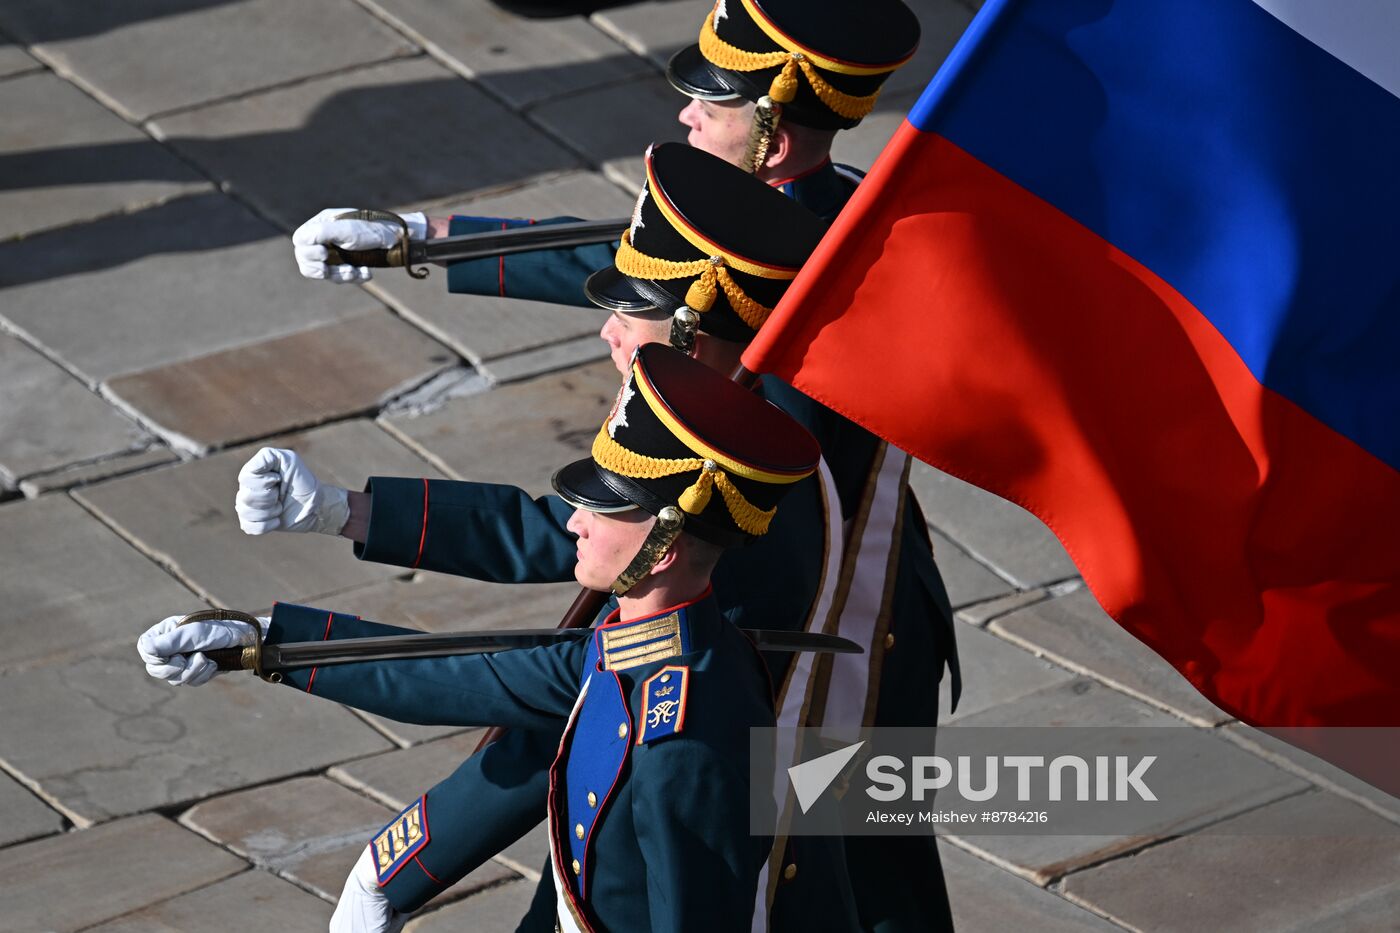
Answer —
(245, 658)
(393, 257)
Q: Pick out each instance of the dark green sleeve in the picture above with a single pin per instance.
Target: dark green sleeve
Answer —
(690, 805)
(480, 530)
(554, 275)
(528, 689)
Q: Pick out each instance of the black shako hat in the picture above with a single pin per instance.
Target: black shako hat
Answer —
(824, 61)
(708, 237)
(682, 436)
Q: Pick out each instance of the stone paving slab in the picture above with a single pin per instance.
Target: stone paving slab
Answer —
(612, 126)
(14, 60)
(309, 830)
(531, 852)
(996, 532)
(71, 159)
(71, 586)
(399, 777)
(496, 910)
(85, 473)
(25, 816)
(183, 515)
(1073, 630)
(986, 899)
(1203, 778)
(191, 277)
(979, 614)
(994, 672)
(399, 133)
(1374, 912)
(520, 60)
(254, 900)
(966, 580)
(550, 359)
(490, 327)
(79, 879)
(131, 56)
(1246, 876)
(656, 28)
(334, 371)
(102, 739)
(1315, 768)
(436, 602)
(406, 734)
(48, 419)
(534, 427)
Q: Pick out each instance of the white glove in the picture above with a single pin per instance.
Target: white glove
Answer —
(276, 491)
(362, 907)
(174, 653)
(310, 239)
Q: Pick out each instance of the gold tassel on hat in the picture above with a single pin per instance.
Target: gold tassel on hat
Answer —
(702, 292)
(697, 495)
(784, 85)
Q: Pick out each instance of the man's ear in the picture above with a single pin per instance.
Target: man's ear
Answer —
(668, 559)
(779, 148)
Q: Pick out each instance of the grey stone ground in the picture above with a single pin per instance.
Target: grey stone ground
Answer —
(153, 330)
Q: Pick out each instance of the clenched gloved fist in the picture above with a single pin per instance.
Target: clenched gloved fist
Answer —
(310, 239)
(174, 653)
(277, 492)
(363, 906)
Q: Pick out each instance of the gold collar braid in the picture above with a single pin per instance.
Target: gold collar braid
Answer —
(702, 292)
(784, 85)
(611, 455)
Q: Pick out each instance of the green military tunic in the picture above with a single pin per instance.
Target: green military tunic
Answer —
(497, 533)
(648, 796)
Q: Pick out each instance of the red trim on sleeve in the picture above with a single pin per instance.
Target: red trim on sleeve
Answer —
(330, 617)
(431, 877)
(501, 269)
(423, 535)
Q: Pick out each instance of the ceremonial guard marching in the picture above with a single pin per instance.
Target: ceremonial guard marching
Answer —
(648, 800)
(694, 209)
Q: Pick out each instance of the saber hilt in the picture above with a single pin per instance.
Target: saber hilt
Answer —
(407, 252)
(241, 657)
(393, 257)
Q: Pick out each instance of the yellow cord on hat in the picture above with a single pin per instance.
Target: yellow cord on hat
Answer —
(611, 455)
(702, 293)
(784, 85)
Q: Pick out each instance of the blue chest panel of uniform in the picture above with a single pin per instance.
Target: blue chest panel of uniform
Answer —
(824, 190)
(603, 731)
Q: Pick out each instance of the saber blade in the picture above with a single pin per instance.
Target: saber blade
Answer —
(517, 240)
(448, 644)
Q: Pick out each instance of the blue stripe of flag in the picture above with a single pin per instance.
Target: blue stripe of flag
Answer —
(1252, 171)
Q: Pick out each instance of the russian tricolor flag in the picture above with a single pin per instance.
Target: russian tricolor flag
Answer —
(1135, 265)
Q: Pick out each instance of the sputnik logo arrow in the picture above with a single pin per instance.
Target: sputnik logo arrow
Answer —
(811, 778)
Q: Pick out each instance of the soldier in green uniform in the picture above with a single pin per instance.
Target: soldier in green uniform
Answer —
(498, 533)
(738, 79)
(648, 805)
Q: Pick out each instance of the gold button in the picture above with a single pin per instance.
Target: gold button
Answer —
(665, 678)
(578, 830)
(592, 799)
(577, 867)
(622, 730)
(790, 873)
(889, 641)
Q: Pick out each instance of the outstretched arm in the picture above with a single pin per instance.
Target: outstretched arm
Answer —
(554, 275)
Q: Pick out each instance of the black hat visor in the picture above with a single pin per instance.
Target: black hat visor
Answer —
(581, 485)
(691, 74)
